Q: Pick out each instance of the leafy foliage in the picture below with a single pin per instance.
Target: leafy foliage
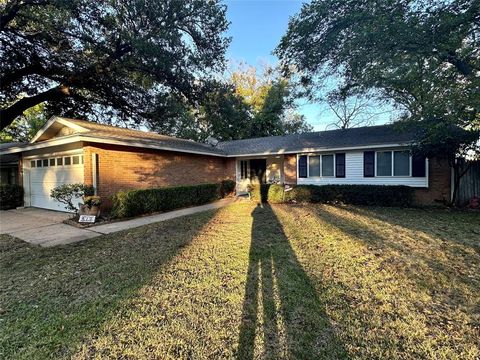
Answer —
(120, 57)
(67, 193)
(422, 55)
(11, 196)
(378, 195)
(25, 126)
(227, 187)
(244, 106)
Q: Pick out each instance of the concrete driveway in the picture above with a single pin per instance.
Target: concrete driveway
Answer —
(41, 227)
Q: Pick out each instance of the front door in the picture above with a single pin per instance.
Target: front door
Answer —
(258, 170)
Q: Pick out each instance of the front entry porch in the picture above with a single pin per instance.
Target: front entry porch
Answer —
(258, 170)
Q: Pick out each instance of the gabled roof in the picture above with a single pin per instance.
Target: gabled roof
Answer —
(58, 131)
(368, 136)
(82, 130)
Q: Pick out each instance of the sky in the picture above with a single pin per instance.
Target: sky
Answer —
(256, 27)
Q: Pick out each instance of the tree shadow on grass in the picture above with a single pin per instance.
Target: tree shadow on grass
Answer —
(53, 298)
(459, 228)
(424, 260)
(281, 307)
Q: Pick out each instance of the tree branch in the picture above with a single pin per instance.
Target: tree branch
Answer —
(8, 114)
(13, 7)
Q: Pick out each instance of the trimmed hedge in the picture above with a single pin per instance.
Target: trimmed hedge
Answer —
(138, 202)
(227, 187)
(380, 195)
(11, 196)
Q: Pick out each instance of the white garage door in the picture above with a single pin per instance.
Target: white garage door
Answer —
(44, 174)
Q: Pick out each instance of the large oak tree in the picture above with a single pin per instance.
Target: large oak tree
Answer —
(85, 57)
(423, 55)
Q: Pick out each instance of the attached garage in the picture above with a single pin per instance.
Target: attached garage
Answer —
(42, 174)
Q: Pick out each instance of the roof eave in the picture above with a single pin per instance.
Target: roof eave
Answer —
(317, 149)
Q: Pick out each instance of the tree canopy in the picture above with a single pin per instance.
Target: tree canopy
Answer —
(120, 57)
(249, 103)
(423, 55)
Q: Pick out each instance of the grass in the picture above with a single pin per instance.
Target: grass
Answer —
(251, 282)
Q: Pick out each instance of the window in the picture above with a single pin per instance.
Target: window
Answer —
(393, 163)
(67, 160)
(59, 161)
(340, 165)
(327, 165)
(75, 160)
(401, 163)
(45, 162)
(39, 163)
(313, 166)
(81, 157)
(384, 163)
(244, 169)
(302, 166)
(52, 162)
(32, 163)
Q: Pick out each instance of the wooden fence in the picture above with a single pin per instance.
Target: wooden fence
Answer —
(469, 183)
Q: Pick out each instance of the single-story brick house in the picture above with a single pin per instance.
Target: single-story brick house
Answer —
(112, 159)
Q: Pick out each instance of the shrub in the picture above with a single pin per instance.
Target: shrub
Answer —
(92, 200)
(227, 187)
(380, 195)
(138, 202)
(11, 196)
(259, 192)
(276, 193)
(67, 193)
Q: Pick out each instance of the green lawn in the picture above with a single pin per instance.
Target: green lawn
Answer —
(251, 282)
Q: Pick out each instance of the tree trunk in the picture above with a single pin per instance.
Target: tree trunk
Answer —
(457, 176)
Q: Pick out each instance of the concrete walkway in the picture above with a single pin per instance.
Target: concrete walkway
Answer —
(45, 227)
(129, 224)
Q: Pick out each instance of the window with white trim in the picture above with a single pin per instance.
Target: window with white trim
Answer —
(243, 169)
(393, 163)
(317, 166)
(327, 165)
(314, 166)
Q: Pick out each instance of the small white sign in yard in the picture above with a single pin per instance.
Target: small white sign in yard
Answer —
(87, 218)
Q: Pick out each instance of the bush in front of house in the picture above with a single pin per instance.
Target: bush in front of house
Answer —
(379, 195)
(227, 187)
(67, 193)
(11, 196)
(144, 201)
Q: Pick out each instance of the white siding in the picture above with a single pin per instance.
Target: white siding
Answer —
(354, 175)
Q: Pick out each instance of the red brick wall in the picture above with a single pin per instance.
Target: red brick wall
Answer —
(123, 168)
(439, 182)
(290, 169)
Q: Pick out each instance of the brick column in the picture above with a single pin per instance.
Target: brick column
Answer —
(290, 169)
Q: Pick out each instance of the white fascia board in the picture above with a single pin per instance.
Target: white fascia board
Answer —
(50, 122)
(94, 139)
(311, 150)
(41, 145)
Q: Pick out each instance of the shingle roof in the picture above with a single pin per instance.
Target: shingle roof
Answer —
(322, 140)
(4, 146)
(143, 137)
(331, 139)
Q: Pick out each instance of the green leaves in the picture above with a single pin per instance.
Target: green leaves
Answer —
(114, 57)
(422, 55)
